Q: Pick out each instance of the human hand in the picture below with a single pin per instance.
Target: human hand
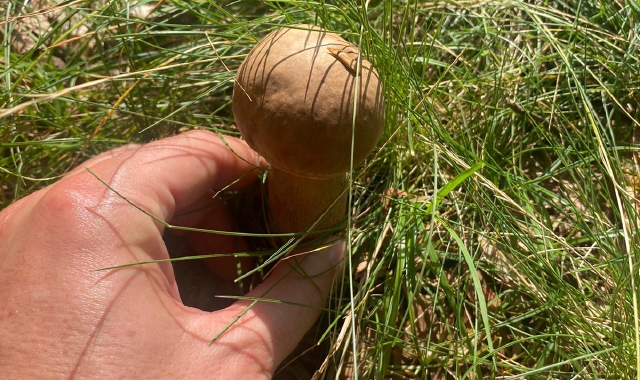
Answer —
(60, 318)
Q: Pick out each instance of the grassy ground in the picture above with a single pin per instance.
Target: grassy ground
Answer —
(494, 229)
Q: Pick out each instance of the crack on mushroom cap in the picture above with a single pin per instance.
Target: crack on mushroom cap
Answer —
(293, 103)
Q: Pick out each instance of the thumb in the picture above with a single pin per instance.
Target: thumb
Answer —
(302, 282)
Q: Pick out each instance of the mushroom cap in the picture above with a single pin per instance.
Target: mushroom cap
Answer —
(293, 102)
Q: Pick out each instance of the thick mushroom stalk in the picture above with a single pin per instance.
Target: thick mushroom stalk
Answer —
(294, 101)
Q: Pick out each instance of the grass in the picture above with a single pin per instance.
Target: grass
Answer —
(494, 230)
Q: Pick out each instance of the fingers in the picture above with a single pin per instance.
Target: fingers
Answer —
(219, 218)
(269, 331)
(103, 157)
(160, 178)
(169, 175)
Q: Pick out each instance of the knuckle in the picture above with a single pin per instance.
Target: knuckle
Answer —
(65, 202)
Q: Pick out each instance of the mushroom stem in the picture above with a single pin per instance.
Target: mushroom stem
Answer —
(299, 204)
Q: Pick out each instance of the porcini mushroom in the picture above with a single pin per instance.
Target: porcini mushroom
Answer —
(293, 102)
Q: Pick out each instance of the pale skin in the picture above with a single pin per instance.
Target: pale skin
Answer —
(60, 318)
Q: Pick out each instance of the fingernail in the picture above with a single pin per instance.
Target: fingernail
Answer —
(336, 252)
(321, 261)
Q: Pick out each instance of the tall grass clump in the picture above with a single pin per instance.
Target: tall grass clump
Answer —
(493, 232)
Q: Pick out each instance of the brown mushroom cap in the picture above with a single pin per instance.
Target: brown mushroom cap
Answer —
(293, 102)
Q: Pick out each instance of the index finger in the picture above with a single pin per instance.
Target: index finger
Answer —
(168, 175)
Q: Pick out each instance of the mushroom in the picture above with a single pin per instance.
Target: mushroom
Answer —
(293, 102)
